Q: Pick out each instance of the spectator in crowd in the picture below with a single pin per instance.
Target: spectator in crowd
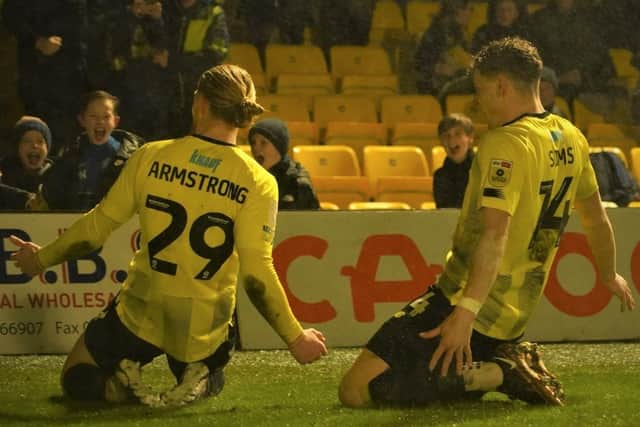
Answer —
(139, 58)
(505, 18)
(342, 22)
(269, 140)
(23, 170)
(442, 53)
(263, 18)
(52, 60)
(180, 302)
(198, 39)
(569, 41)
(548, 87)
(88, 168)
(456, 134)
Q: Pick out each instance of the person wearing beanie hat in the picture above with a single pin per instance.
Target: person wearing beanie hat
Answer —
(269, 140)
(27, 163)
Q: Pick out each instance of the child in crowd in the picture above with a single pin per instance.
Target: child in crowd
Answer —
(456, 134)
(87, 168)
(22, 171)
(269, 139)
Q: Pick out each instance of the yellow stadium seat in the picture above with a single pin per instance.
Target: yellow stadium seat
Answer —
(246, 56)
(379, 206)
(398, 174)
(478, 17)
(328, 160)
(608, 131)
(635, 162)
(438, 154)
(625, 71)
(356, 135)
(302, 133)
(285, 107)
(428, 205)
(296, 59)
(342, 190)
(304, 84)
(410, 108)
(374, 87)
(423, 135)
(534, 7)
(467, 105)
(634, 204)
(420, 13)
(387, 19)
(359, 60)
(615, 150)
(563, 106)
(343, 108)
(328, 206)
(583, 117)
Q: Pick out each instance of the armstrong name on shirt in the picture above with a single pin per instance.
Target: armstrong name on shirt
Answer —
(201, 182)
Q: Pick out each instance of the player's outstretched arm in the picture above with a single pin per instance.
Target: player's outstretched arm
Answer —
(597, 227)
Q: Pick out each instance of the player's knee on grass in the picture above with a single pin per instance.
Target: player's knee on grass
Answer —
(351, 395)
(84, 382)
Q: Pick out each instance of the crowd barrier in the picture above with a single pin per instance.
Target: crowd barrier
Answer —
(344, 272)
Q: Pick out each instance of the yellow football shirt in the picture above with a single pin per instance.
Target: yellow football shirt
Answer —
(533, 168)
(205, 208)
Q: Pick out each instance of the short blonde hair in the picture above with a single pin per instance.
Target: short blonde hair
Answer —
(231, 94)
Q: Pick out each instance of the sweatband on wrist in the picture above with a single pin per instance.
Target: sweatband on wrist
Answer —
(470, 304)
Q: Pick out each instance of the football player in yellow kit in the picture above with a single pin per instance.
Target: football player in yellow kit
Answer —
(207, 215)
(530, 169)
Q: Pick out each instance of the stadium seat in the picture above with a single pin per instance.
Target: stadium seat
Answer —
(635, 162)
(379, 206)
(343, 108)
(285, 107)
(428, 205)
(563, 106)
(533, 7)
(359, 60)
(467, 105)
(438, 154)
(423, 135)
(398, 174)
(356, 135)
(615, 150)
(296, 59)
(374, 87)
(342, 190)
(583, 117)
(624, 144)
(328, 206)
(625, 71)
(246, 56)
(607, 131)
(420, 13)
(307, 85)
(409, 108)
(328, 160)
(478, 17)
(480, 129)
(302, 133)
(386, 22)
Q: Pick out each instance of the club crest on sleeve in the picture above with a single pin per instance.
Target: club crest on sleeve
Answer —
(500, 172)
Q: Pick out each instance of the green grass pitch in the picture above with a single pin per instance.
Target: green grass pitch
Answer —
(267, 388)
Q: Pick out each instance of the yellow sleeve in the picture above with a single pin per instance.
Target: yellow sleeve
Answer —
(91, 231)
(254, 231)
(501, 173)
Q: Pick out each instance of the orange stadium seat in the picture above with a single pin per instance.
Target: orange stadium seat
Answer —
(285, 107)
(410, 108)
(343, 108)
(420, 13)
(379, 206)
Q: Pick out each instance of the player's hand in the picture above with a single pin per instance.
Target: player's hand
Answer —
(309, 346)
(619, 287)
(26, 259)
(455, 341)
